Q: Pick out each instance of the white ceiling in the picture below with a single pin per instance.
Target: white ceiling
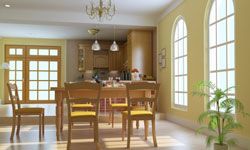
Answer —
(66, 19)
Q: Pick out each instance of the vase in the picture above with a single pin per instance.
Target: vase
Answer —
(220, 147)
(134, 76)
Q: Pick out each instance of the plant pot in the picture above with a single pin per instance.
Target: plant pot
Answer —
(220, 147)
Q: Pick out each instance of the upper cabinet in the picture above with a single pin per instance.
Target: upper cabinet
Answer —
(140, 51)
(116, 59)
(85, 57)
(103, 59)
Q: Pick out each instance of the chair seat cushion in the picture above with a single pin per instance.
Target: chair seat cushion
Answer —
(118, 105)
(82, 106)
(83, 114)
(29, 111)
(138, 113)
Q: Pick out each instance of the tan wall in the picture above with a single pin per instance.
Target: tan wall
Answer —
(22, 41)
(72, 56)
(193, 12)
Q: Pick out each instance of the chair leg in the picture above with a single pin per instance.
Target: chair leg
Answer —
(110, 112)
(132, 128)
(153, 133)
(40, 127)
(18, 124)
(137, 124)
(123, 127)
(43, 125)
(96, 134)
(69, 135)
(13, 126)
(146, 129)
(129, 132)
(113, 113)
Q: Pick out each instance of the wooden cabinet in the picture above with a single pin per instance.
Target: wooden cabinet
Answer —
(85, 57)
(116, 59)
(139, 51)
(88, 59)
(101, 61)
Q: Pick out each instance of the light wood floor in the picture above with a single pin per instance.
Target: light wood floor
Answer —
(169, 136)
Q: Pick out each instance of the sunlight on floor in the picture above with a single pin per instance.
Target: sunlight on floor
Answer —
(163, 141)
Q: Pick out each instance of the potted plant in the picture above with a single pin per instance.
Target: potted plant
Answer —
(219, 115)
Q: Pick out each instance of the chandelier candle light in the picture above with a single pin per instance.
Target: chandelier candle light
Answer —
(103, 10)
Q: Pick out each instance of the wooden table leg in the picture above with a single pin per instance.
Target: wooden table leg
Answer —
(58, 98)
(62, 113)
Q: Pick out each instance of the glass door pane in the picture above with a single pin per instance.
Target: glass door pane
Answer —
(16, 74)
(42, 76)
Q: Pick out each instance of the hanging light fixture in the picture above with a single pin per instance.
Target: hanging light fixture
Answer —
(95, 46)
(102, 10)
(114, 47)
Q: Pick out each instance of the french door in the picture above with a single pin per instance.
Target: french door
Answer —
(35, 70)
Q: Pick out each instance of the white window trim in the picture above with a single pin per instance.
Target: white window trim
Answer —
(173, 105)
(207, 47)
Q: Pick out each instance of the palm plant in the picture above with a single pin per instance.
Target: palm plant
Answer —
(219, 114)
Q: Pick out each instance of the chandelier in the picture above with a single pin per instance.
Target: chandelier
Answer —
(103, 10)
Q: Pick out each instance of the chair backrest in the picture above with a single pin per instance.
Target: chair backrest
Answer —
(149, 100)
(82, 92)
(14, 97)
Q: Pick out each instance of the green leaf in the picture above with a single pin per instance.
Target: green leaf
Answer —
(206, 114)
(210, 139)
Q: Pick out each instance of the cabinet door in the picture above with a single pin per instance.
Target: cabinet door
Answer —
(85, 57)
(115, 60)
(101, 61)
(88, 58)
(129, 51)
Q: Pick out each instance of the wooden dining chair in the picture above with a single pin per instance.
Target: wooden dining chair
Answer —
(147, 114)
(18, 112)
(90, 93)
(114, 107)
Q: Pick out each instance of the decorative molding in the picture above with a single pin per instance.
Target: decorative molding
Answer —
(243, 142)
(169, 9)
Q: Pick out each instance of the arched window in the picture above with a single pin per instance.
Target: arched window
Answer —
(180, 64)
(221, 44)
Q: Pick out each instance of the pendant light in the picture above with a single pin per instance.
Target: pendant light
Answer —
(114, 47)
(95, 46)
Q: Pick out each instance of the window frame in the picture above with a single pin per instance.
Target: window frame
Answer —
(173, 58)
(227, 43)
(26, 58)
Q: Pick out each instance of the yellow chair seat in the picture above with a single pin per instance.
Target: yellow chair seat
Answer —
(29, 111)
(119, 105)
(138, 112)
(83, 114)
(82, 106)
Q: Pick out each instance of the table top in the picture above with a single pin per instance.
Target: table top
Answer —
(116, 87)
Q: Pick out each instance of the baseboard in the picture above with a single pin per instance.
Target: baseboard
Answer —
(243, 142)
